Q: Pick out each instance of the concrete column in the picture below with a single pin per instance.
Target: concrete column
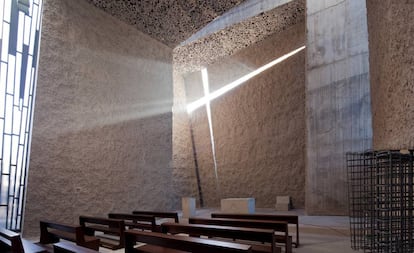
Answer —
(337, 97)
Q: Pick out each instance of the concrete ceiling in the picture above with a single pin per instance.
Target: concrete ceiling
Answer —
(169, 21)
(206, 50)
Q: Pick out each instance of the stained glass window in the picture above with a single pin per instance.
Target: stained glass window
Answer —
(19, 45)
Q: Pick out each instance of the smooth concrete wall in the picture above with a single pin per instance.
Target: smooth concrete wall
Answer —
(391, 45)
(337, 97)
(102, 131)
(258, 127)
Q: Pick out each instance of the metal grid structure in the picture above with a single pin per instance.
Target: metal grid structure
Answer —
(361, 197)
(381, 201)
(20, 22)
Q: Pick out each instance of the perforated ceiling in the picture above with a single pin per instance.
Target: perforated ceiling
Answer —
(169, 21)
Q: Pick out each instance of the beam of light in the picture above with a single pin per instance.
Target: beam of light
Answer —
(204, 76)
(209, 97)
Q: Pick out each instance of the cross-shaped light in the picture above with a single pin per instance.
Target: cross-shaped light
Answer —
(211, 96)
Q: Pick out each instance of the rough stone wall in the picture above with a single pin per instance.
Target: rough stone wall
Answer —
(259, 127)
(338, 99)
(102, 138)
(391, 46)
(209, 51)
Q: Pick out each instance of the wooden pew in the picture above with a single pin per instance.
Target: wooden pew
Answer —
(290, 219)
(144, 222)
(248, 234)
(278, 226)
(52, 232)
(159, 242)
(108, 226)
(66, 247)
(13, 243)
(170, 215)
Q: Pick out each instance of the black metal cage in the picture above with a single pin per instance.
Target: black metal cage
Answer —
(380, 187)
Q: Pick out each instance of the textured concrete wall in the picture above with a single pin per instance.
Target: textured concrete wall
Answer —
(102, 138)
(221, 50)
(338, 99)
(259, 127)
(391, 45)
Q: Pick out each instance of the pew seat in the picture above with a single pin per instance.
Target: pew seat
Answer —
(66, 247)
(113, 227)
(177, 244)
(52, 232)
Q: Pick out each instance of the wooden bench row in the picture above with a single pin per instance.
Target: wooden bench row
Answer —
(159, 242)
(11, 242)
(52, 232)
(256, 227)
(290, 219)
(252, 236)
(111, 228)
(165, 243)
(253, 227)
(281, 227)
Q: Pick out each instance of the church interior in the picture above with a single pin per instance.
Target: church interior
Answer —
(224, 119)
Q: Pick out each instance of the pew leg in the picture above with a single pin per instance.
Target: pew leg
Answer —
(289, 245)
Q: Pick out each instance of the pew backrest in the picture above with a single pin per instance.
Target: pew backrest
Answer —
(290, 219)
(248, 234)
(108, 226)
(184, 243)
(52, 232)
(157, 214)
(281, 227)
(12, 240)
(144, 222)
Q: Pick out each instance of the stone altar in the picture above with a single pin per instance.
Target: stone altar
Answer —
(238, 205)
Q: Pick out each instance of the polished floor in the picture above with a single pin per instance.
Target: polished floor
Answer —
(318, 234)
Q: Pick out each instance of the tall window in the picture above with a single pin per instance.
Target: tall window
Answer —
(19, 45)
